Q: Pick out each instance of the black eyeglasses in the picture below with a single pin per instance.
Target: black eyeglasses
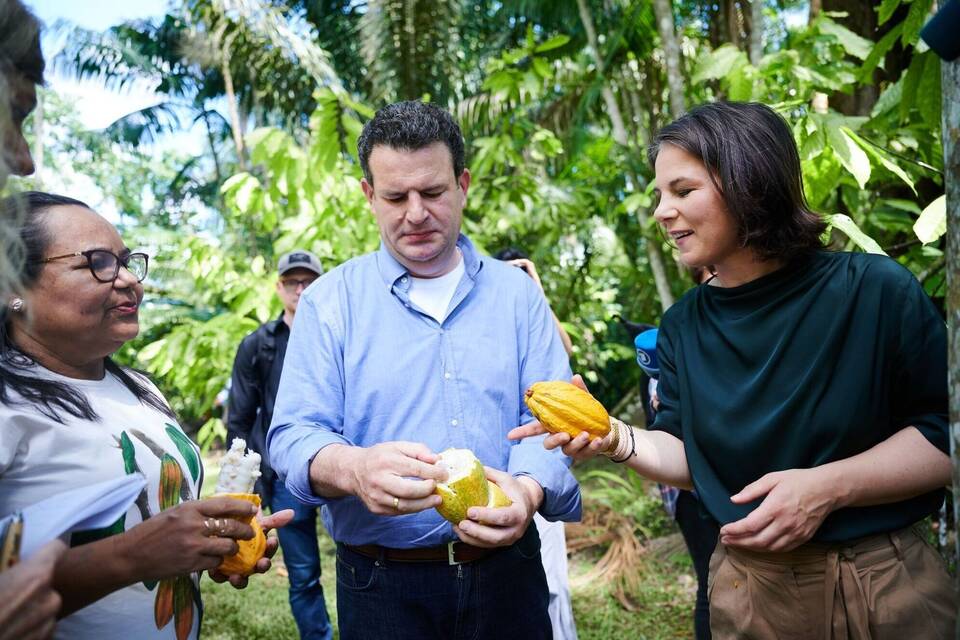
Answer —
(105, 265)
(292, 284)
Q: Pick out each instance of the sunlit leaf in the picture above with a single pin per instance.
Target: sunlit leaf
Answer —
(851, 156)
(932, 222)
(845, 224)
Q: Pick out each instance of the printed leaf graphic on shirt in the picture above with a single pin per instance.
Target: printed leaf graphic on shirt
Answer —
(175, 601)
(187, 450)
(130, 466)
(174, 597)
(186, 493)
(171, 477)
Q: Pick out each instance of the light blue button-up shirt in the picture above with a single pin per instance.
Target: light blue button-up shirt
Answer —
(364, 365)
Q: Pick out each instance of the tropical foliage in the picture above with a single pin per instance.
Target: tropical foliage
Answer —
(557, 101)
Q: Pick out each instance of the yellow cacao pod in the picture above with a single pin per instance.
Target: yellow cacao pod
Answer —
(564, 408)
(466, 486)
(244, 560)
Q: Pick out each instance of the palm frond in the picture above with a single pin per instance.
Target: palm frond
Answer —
(145, 126)
(411, 48)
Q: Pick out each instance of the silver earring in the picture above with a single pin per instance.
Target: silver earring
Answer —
(16, 304)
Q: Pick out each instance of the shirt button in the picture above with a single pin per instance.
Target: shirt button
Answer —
(446, 376)
(453, 422)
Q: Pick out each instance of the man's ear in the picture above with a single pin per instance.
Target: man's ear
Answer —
(464, 181)
(367, 190)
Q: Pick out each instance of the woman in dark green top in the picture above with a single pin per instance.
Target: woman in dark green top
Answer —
(803, 393)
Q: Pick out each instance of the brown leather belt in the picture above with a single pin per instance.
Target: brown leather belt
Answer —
(451, 553)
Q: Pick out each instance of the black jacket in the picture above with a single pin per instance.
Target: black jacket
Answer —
(253, 390)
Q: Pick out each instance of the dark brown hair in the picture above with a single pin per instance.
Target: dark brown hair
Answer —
(752, 158)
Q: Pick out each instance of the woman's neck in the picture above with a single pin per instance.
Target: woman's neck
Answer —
(743, 268)
(50, 359)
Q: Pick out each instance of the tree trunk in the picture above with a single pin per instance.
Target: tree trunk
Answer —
(733, 23)
(815, 7)
(235, 124)
(950, 74)
(663, 10)
(621, 138)
(213, 149)
(756, 31)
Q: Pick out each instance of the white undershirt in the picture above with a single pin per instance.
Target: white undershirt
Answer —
(433, 295)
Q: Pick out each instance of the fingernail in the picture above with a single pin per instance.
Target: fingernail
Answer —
(472, 514)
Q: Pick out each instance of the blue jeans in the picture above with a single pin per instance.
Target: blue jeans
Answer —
(298, 540)
(503, 595)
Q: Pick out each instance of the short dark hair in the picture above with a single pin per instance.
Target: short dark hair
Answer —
(25, 212)
(752, 158)
(410, 126)
(20, 41)
(511, 253)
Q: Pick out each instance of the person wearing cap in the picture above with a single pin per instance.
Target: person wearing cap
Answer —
(253, 391)
(398, 355)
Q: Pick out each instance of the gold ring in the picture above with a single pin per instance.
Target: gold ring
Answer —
(396, 503)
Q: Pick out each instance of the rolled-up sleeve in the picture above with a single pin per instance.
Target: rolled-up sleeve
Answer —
(544, 358)
(308, 413)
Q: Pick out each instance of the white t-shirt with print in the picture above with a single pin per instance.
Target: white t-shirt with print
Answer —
(40, 457)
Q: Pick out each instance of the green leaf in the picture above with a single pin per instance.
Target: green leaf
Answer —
(890, 98)
(882, 158)
(813, 144)
(851, 156)
(911, 82)
(855, 45)
(740, 82)
(932, 222)
(718, 63)
(820, 177)
(553, 43)
(879, 51)
(849, 227)
(186, 449)
(886, 9)
(918, 14)
(79, 538)
(637, 201)
(129, 454)
(928, 91)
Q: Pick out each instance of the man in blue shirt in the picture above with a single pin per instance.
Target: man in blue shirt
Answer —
(397, 355)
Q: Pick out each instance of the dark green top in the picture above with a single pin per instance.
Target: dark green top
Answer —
(813, 363)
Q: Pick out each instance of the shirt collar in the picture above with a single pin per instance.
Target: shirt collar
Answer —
(273, 325)
(391, 270)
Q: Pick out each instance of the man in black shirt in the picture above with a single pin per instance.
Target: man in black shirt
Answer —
(256, 376)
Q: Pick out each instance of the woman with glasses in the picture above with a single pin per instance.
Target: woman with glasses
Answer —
(70, 416)
(803, 393)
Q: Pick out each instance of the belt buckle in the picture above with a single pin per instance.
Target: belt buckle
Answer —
(451, 553)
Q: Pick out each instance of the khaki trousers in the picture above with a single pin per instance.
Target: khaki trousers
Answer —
(884, 587)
